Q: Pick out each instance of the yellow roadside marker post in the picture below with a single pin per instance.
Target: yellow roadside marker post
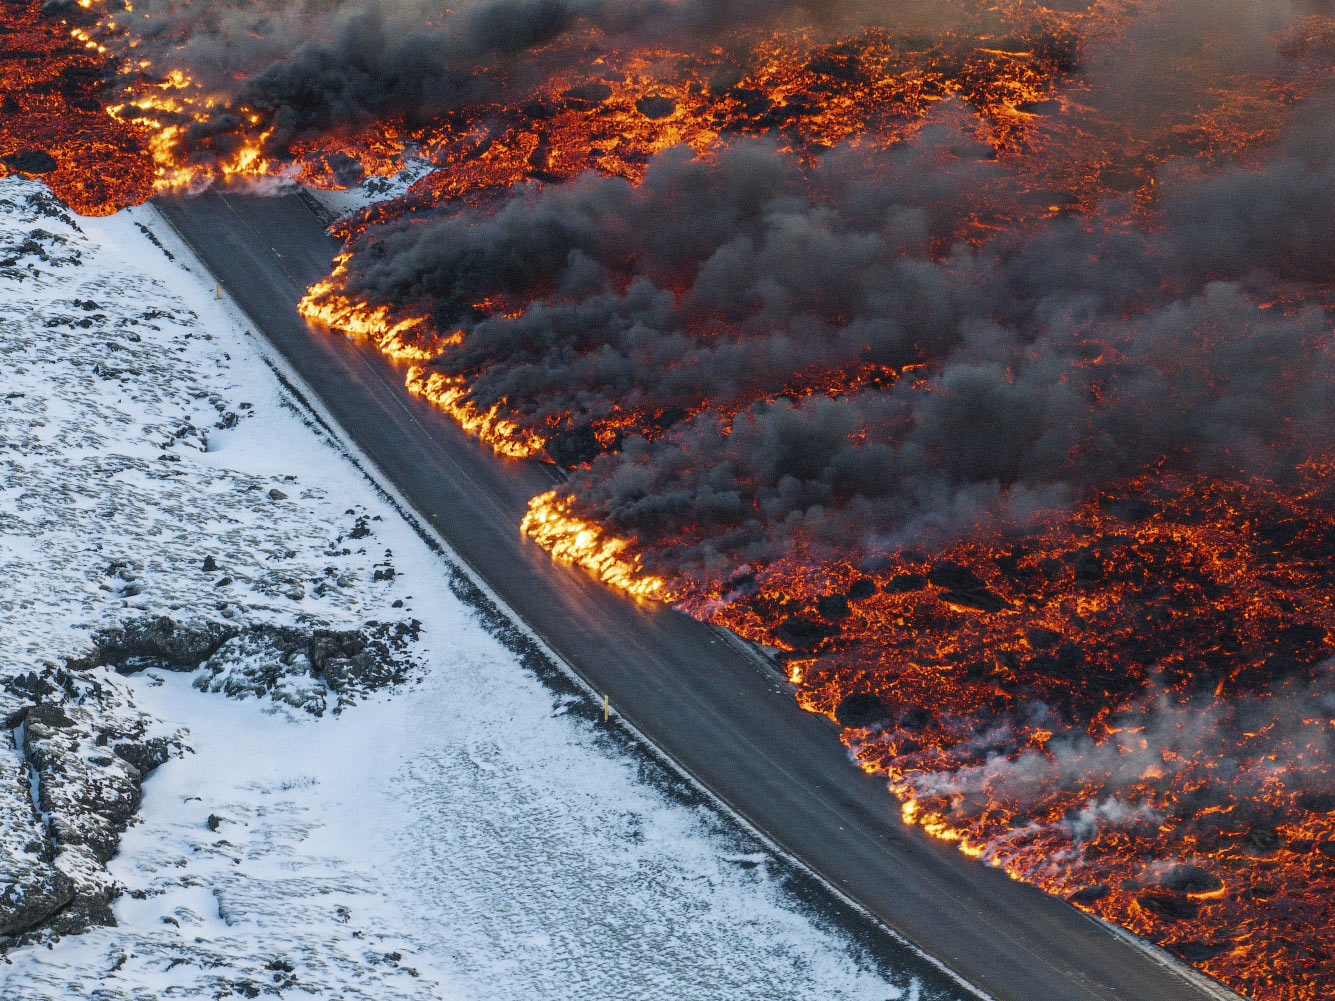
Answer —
(604, 708)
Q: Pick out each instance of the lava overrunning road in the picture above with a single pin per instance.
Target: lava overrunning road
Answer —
(722, 716)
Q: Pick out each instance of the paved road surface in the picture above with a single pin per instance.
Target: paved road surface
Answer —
(720, 714)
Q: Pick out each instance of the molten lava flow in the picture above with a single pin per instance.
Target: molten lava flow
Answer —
(587, 544)
(1130, 707)
(505, 436)
(52, 123)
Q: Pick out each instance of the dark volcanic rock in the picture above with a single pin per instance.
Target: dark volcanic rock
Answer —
(655, 106)
(915, 718)
(25, 903)
(981, 600)
(160, 640)
(1196, 952)
(954, 577)
(863, 587)
(1185, 878)
(833, 607)
(144, 755)
(588, 93)
(1088, 566)
(905, 582)
(71, 779)
(31, 887)
(89, 800)
(1316, 802)
(861, 709)
(348, 660)
(1262, 839)
(1168, 906)
(347, 171)
(353, 660)
(1090, 894)
(30, 161)
(805, 633)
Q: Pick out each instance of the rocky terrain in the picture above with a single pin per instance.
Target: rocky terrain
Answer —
(124, 547)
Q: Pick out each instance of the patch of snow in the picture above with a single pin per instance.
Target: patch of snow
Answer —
(374, 189)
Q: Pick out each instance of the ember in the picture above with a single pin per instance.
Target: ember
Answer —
(978, 359)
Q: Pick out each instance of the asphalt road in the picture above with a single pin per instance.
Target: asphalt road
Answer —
(713, 708)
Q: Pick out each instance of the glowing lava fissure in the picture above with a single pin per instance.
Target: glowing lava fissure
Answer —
(977, 358)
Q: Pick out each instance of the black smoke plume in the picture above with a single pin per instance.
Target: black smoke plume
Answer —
(765, 310)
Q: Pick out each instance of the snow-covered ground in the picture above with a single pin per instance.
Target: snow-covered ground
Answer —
(472, 833)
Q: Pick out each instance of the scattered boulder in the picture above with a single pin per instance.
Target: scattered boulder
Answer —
(862, 709)
(805, 633)
(905, 583)
(1090, 894)
(1183, 878)
(30, 161)
(655, 106)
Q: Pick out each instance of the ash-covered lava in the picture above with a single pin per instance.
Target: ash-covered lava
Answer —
(976, 356)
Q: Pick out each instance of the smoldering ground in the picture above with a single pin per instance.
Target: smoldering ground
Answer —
(288, 70)
(769, 308)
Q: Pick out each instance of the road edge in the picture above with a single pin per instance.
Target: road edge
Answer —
(304, 398)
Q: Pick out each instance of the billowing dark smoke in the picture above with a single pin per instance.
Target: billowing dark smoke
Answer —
(316, 68)
(716, 286)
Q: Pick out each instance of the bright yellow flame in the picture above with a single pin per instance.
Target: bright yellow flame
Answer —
(503, 435)
(587, 544)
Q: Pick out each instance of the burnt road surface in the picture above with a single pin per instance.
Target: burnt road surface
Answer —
(716, 710)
